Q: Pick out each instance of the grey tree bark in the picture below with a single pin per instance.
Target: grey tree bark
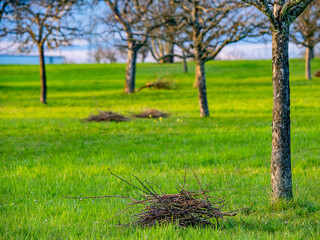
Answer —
(281, 177)
(311, 53)
(131, 69)
(163, 50)
(280, 13)
(169, 49)
(202, 88)
(305, 32)
(185, 63)
(38, 23)
(43, 79)
(308, 62)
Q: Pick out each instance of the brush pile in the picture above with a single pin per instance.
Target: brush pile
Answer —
(186, 208)
(159, 84)
(108, 116)
(150, 113)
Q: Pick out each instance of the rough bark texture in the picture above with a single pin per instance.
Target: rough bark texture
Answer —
(131, 69)
(281, 178)
(202, 88)
(281, 13)
(43, 79)
(308, 65)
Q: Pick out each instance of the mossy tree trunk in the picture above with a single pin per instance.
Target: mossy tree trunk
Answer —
(281, 177)
(280, 13)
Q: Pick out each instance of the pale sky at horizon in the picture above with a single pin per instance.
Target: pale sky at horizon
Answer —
(79, 52)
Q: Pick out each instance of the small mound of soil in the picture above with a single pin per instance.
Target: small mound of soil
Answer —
(150, 113)
(317, 74)
(104, 116)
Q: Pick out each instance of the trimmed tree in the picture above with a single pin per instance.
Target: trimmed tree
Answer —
(202, 29)
(127, 17)
(40, 23)
(162, 48)
(280, 13)
(305, 32)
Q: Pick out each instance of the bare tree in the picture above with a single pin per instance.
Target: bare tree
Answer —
(123, 50)
(128, 16)
(3, 7)
(305, 32)
(163, 50)
(203, 28)
(144, 53)
(40, 23)
(185, 62)
(101, 55)
(98, 55)
(280, 13)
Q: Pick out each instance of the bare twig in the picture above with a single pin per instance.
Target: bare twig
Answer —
(185, 208)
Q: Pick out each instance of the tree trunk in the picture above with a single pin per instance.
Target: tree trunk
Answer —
(201, 79)
(171, 60)
(43, 79)
(143, 58)
(195, 83)
(308, 60)
(161, 49)
(185, 63)
(281, 178)
(168, 50)
(131, 69)
(311, 53)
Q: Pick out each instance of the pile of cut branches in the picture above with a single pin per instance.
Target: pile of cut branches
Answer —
(185, 208)
(150, 113)
(107, 116)
(159, 84)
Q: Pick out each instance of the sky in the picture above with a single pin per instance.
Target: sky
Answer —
(238, 51)
(79, 52)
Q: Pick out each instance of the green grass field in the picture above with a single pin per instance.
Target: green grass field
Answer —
(46, 152)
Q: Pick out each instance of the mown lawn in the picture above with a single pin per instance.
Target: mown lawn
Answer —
(46, 152)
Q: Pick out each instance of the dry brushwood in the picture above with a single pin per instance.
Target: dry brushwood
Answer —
(185, 208)
(108, 116)
(159, 84)
(150, 113)
(317, 74)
